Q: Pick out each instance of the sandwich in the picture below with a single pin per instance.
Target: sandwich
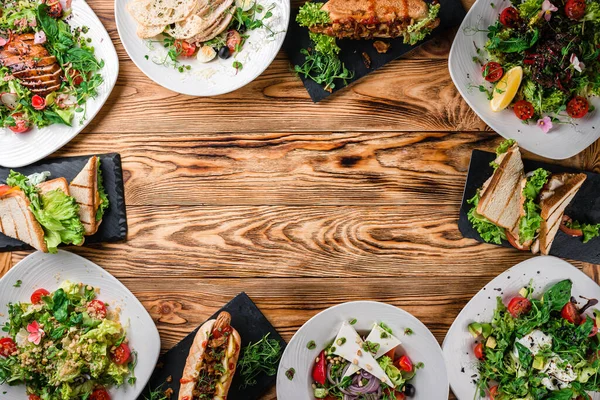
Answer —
(360, 19)
(88, 190)
(527, 210)
(211, 363)
(42, 214)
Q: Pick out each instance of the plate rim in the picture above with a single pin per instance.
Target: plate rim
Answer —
(141, 383)
(111, 85)
(259, 71)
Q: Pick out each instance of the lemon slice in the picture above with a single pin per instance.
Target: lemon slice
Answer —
(506, 89)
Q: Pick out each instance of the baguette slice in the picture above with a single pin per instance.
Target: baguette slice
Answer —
(500, 196)
(17, 221)
(554, 199)
(84, 188)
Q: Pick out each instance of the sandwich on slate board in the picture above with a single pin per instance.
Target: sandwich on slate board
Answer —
(525, 209)
(45, 214)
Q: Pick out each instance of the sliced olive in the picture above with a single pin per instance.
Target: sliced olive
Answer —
(224, 53)
(409, 390)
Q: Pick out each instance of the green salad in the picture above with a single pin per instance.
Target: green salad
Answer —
(56, 72)
(553, 46)
(65, 345)
(538, 348)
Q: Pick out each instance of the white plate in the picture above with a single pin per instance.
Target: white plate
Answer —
(563, 141)
(48, 271)
(430, 383)
(206, 79)
(17, 150)
(458, 344)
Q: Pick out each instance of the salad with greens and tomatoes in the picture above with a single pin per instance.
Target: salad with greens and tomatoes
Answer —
(542, 59)
(539, 348)
(65, 345)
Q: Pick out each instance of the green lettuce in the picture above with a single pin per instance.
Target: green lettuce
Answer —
(504, 146)
(103, 197)
(420, 30)
(592, 12)
(310, 14)
(530, 8)
(486, 229)
(590, 231)
(395, 375)
(57, 213)
(530, 223)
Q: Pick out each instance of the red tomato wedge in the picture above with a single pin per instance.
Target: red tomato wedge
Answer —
(96, 309)
(405, 364)
(478, 350)
(571, 313)
(7, 347)
(100, 394)
(510, 17)
(524, 110)
(578, 107)
(492, 71)
(518, 306)
(121, 354)
(36, 297)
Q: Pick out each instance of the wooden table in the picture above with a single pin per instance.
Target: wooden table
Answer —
(300, 205)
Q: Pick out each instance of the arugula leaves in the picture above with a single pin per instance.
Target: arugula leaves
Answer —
(258, 358)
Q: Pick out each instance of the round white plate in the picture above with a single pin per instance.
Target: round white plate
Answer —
(206, 79)
(458, 344)
(48, 271)
(563, 141)
(430, 383)
(17, 150)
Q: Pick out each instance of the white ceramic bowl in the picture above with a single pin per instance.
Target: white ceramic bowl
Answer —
(17, 150)
(48, 271)
(563, 141)
(430, 382)
(458, 344)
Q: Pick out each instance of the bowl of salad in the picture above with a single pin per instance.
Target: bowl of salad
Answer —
(531, 333)
(362, 350)
(58, 67)
(531, 70)
(72, 331)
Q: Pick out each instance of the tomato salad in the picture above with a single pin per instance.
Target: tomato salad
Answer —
(554, 45)
(65, 345)
(538, 349)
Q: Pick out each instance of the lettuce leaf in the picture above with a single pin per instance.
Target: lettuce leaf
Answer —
(530, 223)
(504, 146)
(395, 375)
(102, 192)
(590, 231)
(486, 229)
(420, 30)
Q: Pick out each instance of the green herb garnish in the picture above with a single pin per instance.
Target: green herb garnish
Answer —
(258, 358)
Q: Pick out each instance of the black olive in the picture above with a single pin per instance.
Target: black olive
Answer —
(224, 53)
(409, 390)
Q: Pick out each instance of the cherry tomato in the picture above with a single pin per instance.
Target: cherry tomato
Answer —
(575, 9)
(99, 394)
(38, 102)
(571, 313)
(478, 350)
(234, 39)
(492, 71)
(524, 110)
(510, 17)
(7, 347)
(96, 309)
(404, 364)
(55, 9)
(578, 107)
(34, 397)
(217, 333)
(36, 297)
(184, 48)
(4, 189)
(21, 123)
(400, 396)
(76, 77)
(569, 231)
(121, 354)
(518, 306)
(493, 392)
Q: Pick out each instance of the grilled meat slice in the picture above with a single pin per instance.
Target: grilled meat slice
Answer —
(31, 64)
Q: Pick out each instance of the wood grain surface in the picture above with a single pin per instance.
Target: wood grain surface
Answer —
(301, 205)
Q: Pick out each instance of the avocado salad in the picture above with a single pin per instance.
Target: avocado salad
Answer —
(538, 348)
(65, 345)
(551, 50)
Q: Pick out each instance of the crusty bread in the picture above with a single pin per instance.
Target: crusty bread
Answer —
(17, 221)
(84, 188)
(194, 361)
(500, 197)
(201, 22)
(149, 31)
(161, 12)
(382, 10)
(58, 183)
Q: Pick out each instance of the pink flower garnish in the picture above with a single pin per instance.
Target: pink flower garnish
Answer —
(547, 10)
(40, 37)
(3, 41)
(35, 333)
(545, 124)
(578, 65)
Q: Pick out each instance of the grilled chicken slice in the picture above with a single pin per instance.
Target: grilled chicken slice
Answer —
(31, 64)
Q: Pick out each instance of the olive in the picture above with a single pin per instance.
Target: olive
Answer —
(224, 53)
(409, 390)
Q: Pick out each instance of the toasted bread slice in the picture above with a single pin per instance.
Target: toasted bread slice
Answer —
(84, 188)
(554, 199)
(500, 197)
(58, 183)
(17, 221)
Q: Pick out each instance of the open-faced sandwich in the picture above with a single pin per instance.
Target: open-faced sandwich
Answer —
(525, 209)
(45, 214)
(212, 361)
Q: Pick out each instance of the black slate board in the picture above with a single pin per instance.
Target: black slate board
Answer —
(451, 14)
(585, 207)
(114, 223)
(251, 324)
